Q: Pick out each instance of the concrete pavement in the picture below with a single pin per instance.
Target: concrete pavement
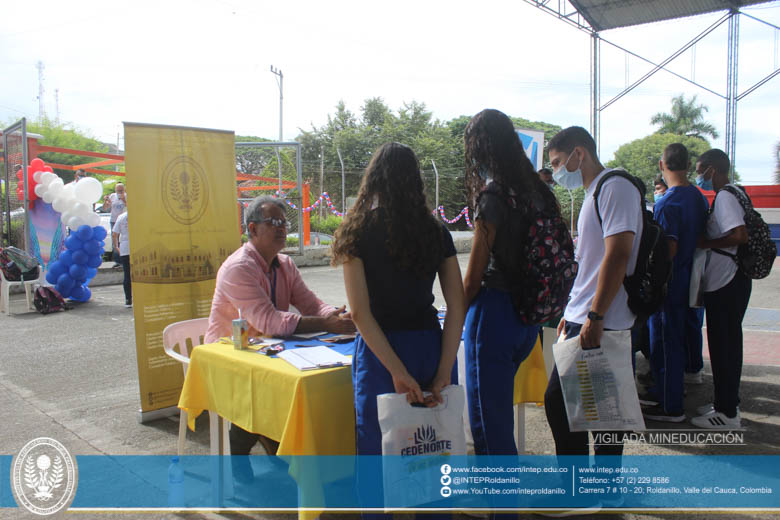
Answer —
(72, 376)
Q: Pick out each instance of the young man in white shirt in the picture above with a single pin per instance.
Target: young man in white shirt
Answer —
(726, 292)
(606, 252)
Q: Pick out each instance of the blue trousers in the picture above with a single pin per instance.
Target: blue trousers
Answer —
(694, 319)
(419, 350)
(496, 343)
(667, 355)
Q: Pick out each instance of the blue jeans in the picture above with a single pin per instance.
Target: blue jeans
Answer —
(496, 342)
(667, 355)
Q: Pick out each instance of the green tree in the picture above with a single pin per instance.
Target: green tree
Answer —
(687, 118)
(63, 136)
(640, 157)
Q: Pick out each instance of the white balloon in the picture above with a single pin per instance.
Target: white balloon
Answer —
(68, 203)
(40, 189)
(47, 196)
(37, 176)
(58, 202)
(75, 222)
(66, 216)
(68, 190)
(80, 209)
(88, 190)
(47, 177)
(55, 186)
(92, 220)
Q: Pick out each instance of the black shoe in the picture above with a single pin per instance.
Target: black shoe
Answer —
(657, 413)
(128, 303)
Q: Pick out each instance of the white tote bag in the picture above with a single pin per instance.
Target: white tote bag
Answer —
(598, 384)
(409, 431)
(698, 267)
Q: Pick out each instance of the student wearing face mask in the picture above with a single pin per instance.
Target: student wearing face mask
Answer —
(660, 188)
(606, 252)
(502, 184)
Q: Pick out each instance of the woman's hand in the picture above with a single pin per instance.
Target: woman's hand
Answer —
(404, 383)
(439, 382)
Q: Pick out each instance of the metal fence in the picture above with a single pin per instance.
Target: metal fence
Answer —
(267, 159)
(14, 216)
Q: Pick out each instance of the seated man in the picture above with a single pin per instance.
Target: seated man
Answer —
(263, 284)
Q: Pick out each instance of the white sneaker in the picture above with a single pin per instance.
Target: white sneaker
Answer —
(718, 421)
(705, 409)
(694, 378)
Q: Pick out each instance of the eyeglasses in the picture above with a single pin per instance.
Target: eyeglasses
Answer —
(276, 222)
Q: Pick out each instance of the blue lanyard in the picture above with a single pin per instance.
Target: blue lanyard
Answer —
(272, 280)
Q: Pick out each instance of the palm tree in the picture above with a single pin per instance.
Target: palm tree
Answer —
(687, 118)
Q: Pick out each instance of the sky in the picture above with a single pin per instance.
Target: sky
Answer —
(206, 63)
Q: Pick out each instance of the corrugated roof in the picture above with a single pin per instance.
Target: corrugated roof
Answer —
(611, 14)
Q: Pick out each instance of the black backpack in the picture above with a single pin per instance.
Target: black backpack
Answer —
(47, 300)
(756, 256)
(647, 287)
(543, 268)
(12, 263)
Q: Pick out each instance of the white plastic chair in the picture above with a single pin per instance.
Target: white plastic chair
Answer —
(29, 290)
(187, 335)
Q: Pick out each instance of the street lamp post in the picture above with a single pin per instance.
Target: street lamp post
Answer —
(280, 82)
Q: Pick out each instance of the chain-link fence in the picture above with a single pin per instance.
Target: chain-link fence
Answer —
(12, 227)
(273, 168)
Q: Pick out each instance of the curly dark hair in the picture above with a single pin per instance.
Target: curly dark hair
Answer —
(491, 142)
(392, 183)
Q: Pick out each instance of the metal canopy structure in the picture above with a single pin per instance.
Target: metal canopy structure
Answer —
(603, 15)
(594, 16)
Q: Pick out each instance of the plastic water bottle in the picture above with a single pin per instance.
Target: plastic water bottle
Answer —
(175, 484)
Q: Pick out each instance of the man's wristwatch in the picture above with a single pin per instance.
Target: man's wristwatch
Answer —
(595, 316)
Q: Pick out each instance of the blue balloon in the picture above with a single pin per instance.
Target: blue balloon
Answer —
(94, 261)
(78, 272)
(79, 293)
(65, 283)
(92, 247)
(84, 233)
(80, 257)
(73, 242)
(99, 232)
(91, 272)
(66, 257)
(51, 277)
(57, 268)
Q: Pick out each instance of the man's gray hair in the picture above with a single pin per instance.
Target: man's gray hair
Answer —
(254, 213)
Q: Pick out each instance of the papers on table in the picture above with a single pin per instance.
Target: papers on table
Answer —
(315, 357)
(306, 335)
(259, 342)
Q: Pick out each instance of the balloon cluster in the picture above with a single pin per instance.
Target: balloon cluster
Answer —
(73, 200)
(78, 264)
(34, 171)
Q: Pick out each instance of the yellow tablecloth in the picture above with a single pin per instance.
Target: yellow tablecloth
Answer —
(309, 413)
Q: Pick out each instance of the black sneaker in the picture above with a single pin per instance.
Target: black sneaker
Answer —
(128, 303)
(657, 413)
(648, 399)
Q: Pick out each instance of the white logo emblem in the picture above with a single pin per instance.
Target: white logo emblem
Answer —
(44, 476)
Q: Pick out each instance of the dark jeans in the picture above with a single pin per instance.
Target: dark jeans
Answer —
(126, 284)
(568, 442)
(725, 309)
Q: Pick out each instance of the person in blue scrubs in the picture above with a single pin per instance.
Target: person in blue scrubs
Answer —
(682, 212)
(498, 174)
(392, 248)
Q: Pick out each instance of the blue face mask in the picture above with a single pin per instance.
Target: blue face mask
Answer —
(658, 196)
(567, 179)
(704, 184)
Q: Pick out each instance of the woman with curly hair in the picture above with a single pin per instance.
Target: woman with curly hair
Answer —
(502, 187)
(392, 247)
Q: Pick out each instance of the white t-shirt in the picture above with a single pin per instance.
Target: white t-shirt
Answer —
(118, 206)
(124, 235)
(620, 208)
(727, 215)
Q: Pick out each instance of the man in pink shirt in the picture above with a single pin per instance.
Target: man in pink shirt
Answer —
(263, 284)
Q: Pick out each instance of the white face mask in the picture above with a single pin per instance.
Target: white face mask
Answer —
(567, 179)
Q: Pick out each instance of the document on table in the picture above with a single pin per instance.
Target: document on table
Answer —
(306, 335)
(315, 357)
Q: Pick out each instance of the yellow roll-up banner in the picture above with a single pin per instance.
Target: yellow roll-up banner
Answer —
(183, 223)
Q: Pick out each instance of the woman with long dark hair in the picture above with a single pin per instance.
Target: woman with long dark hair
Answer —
(505, 191)
(392, 248)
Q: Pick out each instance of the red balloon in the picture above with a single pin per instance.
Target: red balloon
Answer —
(20, 194)
(19, 174)
(37, 164)
(48, 168)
